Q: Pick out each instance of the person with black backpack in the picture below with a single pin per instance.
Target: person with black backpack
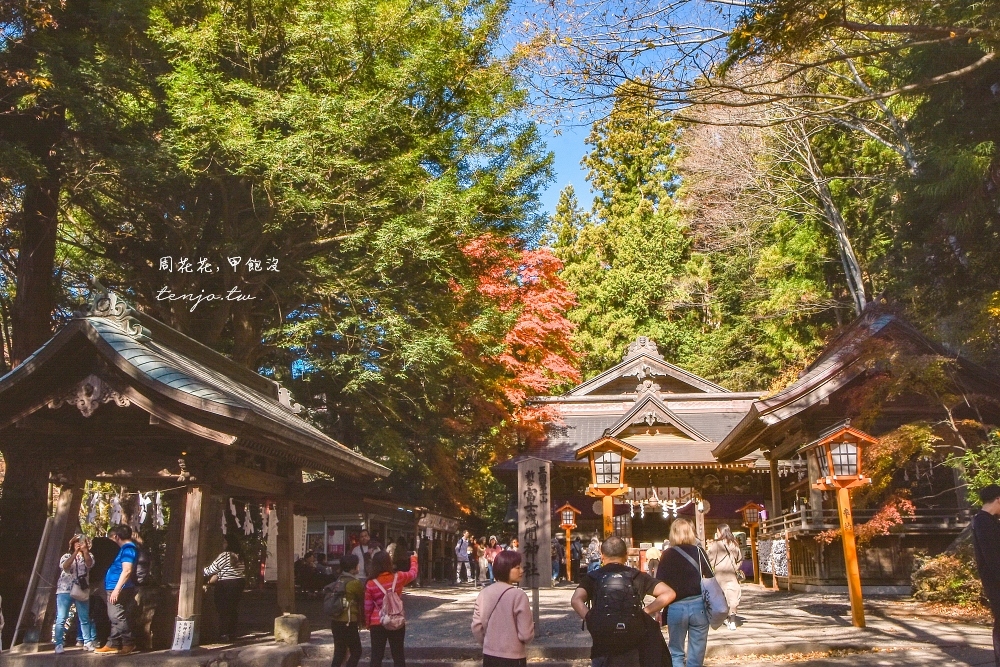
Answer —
(343, 600)
(619, 621)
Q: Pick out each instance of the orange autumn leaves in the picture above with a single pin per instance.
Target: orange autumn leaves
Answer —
(522, 338)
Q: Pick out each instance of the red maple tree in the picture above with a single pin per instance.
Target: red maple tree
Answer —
(525, 346)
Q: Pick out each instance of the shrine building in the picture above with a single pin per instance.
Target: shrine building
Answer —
(118, 397)
(675, 419)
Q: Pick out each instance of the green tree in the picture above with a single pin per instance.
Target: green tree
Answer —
(362, 145)
(74, 88)
(629, 258)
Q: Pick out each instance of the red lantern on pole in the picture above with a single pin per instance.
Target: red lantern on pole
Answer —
(607, 457)
(567, 515)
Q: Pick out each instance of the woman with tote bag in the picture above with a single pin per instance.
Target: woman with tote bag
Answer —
(686, 617)
(502, 620)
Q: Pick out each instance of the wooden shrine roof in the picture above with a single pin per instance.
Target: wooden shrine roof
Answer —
(177, 380)
(674, 417)
(765, 424)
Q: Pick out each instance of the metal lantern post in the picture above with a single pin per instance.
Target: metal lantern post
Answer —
(838, 456)
(751, 519)
(567, 515)
(607, 457)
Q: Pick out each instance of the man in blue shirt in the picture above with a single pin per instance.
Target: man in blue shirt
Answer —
(120, 585)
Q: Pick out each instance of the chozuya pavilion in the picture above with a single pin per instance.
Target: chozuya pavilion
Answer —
(674, 419)
(117, 396)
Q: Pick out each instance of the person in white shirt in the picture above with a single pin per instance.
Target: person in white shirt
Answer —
(364, 554)
(73, 569)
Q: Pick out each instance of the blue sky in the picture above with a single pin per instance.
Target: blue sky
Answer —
(569, 149)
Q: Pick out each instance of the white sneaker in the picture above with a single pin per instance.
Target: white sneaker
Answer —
(731, 624)
(89, 647)
(60, 649)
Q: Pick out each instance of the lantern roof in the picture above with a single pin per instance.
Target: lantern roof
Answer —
(840, 433)
(608, 444)
(567, 506)
(750, 505)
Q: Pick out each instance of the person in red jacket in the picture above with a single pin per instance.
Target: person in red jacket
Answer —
(384, 572)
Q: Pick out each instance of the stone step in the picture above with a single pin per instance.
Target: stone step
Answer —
(457, 654)
(444, 662)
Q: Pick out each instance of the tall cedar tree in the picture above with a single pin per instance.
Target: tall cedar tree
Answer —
(73, 83)
(628, 259)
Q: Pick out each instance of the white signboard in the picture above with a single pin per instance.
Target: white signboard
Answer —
(183, 634)
(301, 528)
(534, 521)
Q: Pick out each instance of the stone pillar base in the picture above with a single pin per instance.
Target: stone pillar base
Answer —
(291, 629)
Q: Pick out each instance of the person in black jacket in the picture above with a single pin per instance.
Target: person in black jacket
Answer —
(986, 539)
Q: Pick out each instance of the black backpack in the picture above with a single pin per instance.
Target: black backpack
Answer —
(616, 617)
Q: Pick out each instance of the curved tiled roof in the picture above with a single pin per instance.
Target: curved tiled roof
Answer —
(160, 361)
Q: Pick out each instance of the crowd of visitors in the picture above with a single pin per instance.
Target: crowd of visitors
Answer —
(611, 598)
(474, 558)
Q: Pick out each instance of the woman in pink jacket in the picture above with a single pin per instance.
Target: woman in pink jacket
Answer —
(502, 620)
(383, 573)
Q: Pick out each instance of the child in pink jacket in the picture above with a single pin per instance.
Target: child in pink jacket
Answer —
(383, 571)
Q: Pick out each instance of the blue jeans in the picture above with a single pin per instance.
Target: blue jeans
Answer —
(687, 618)
(88, 633)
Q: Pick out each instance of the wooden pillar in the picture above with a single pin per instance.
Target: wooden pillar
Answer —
(851, 557)
(608, 507)
(175, 537)
(286, 557)
(753, 553)
(815, 495)
(193, 559)
(38, 624)
(775, 487)
(569, 555)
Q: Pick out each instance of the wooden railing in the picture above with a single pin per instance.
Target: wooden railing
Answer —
(814, 521)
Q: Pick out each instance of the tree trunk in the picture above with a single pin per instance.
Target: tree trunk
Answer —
(22, 517)
(25, 485)
(35, 297)
(852, 268)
